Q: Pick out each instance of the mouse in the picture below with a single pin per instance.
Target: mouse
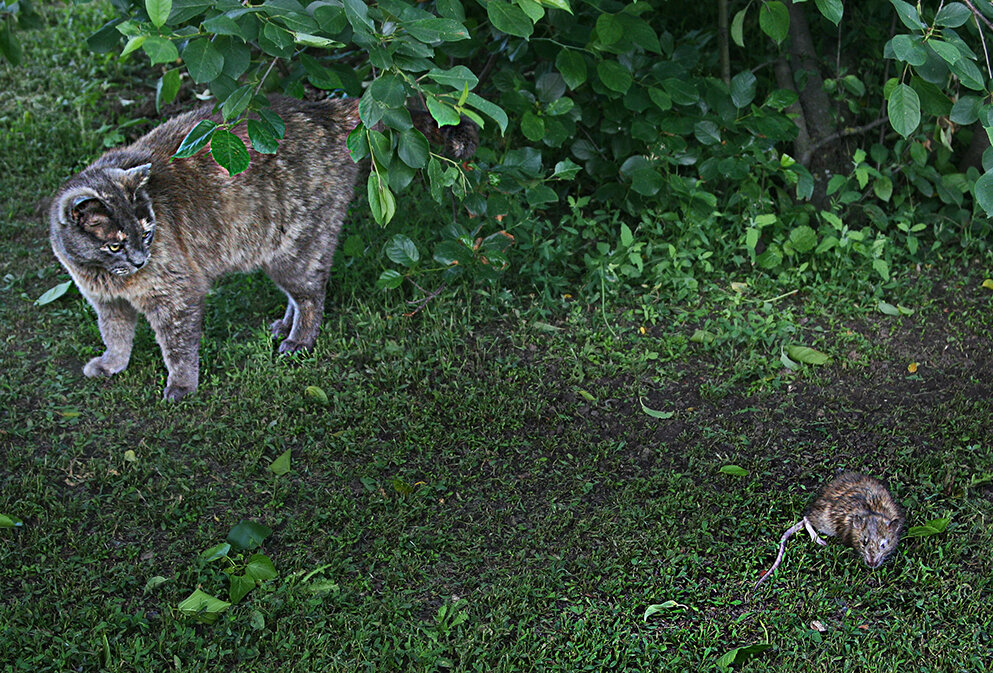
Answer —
(857, 509)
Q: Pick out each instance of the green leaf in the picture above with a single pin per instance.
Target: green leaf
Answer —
(614, 76)
(743, 89)
(910, 49)
(196, 139)
(740, 655)
(489, 109)
(248, 534)
(381, 200)
(449, 253)
(881, 267)
(217, 551)
(158, 11)
(203, 61)
(608, 29)
(437, 30)
(281, 465)
(532, 126)
(413, 148)
(983, 191)
(53, 293)
(261, 136)
(316, 394)
(457, 77)
(401, 249)
(239, 587)
(154, 582)
(443, 114)
(510, 19)
(655, 414)
(702, 336)
(133, 44)
(908, 14)
(887, 308)
(166, 88)
(774, 20)
(933, 527)
(645, 179)
(807, 355)
(222, 24)
(707, 132)
(803, 238)
(160, 50)
(949, 53)
(203, 606)
(236, 102)
(904, 108)
(229, 151)
(734, 471)
(7, 521)
(260, 567)
(660, 607)
(275, 123)
(965, 111)
(738, 27)
(540, 195)
(952, 15)
(566, 169)
(832, 10)
(389, 280)
(572, 66)
(309, 40)
(357, 13)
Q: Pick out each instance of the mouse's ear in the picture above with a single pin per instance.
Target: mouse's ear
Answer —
(858, 521)
(893, 525)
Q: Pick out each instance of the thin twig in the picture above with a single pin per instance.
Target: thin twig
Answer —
(262, 81)
(844, 133)
(421, 303)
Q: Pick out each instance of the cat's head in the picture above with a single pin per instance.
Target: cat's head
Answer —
(103, 218)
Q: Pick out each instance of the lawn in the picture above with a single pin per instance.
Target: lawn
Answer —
(498, 483)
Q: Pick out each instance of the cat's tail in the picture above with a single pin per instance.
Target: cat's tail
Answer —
(460, 141)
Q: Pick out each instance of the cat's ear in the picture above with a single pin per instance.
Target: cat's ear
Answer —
(84, 208)
(133, 179)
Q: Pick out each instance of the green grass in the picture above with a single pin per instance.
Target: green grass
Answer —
(487, 458)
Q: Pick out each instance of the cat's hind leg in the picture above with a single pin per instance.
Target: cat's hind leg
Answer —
(304, 281)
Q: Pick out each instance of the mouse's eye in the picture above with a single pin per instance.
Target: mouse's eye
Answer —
(865, 539)
(882, 543)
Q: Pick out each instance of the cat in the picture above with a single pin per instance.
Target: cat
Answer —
(140, 232)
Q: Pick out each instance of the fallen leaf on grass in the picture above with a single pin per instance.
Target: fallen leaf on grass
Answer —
(659, 607)
(702, 336)
(817, 626)
(933, 527)
(912, 367)
(734, 470)
(740, 655)
(655, 414)
(988, 283)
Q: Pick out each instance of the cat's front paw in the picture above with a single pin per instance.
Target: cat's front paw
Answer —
(100, 367)
(176, 393)
(290, 346)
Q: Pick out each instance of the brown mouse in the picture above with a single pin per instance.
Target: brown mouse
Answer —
(859, 510)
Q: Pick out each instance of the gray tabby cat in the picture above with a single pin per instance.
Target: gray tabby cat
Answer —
(142, 233)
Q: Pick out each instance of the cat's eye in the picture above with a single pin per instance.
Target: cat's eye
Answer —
(148, 236)
(114, 247)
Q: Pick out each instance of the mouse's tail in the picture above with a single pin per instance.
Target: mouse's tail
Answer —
(782, 548)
